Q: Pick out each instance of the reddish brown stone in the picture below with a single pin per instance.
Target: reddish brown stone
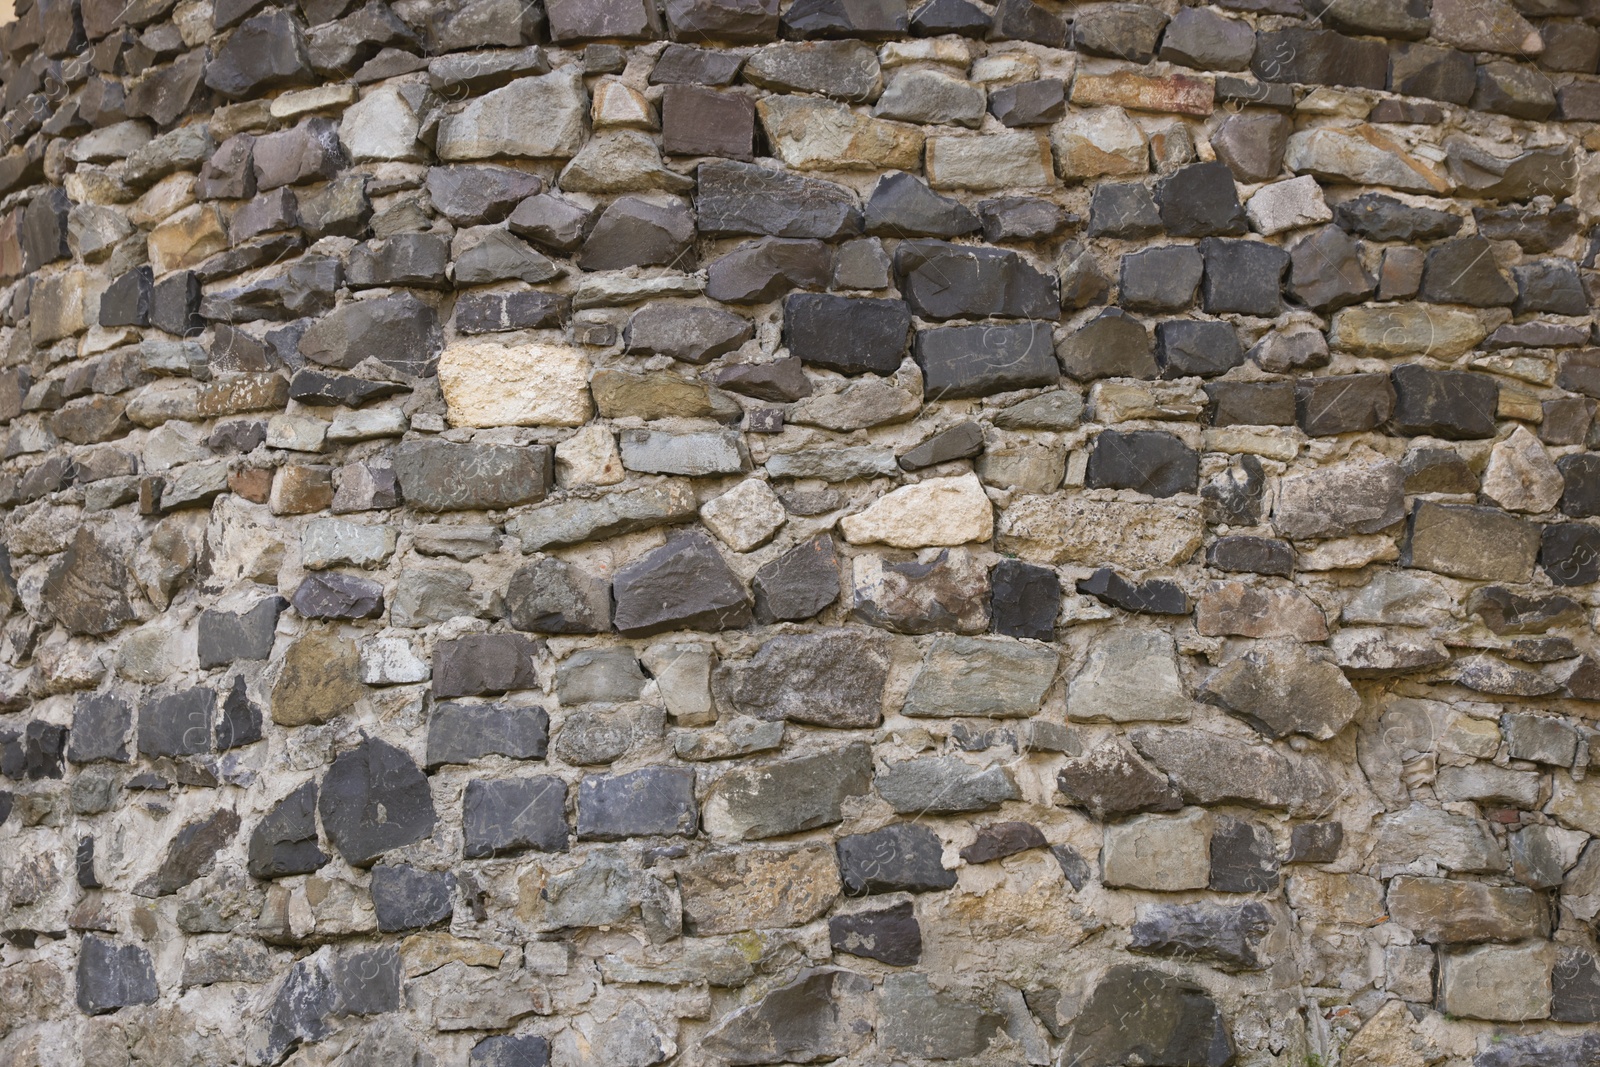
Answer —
(1182, 94)
(254, 484)
(704, 122)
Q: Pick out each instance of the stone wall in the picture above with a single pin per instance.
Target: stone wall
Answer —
(730, 532)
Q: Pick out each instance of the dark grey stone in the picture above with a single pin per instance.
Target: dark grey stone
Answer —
(83, 863)
(939, 17)
(889, 935)
(225, 637)
(685, 584)
(1251, 144)
(739, 198)
(1200, 38)
(902, 857)
(1119, 31)
(634, 232)
(1384, 218)
(1113, 344)
(551, 223)
(1155, 596)
(686, 333)
(240, 723)
(1320, 57)
(1569, 553)
(972, 361)
(470, 195)
(1536, 230)
(832, 677)
(43, 230)
(112, 976)
(848, 334)
(1126, 210)
(696, 121)
(320, 389)
(480, 664)
(100, 726)
(1032, 103)
(1200, 200)
(1327, 271)
(1506, 88)
(1464, 270)
(398, 330)
(177, 725)
(300, 1009)
(507, 815)
(1432, 72)
(948, 281)
(1113, 780)
(126, 301)
(373, 799)
(1024, 20)
(762, 270)
(960, 441)
(284, 842)
(1343, 403)
(1025, 600)
(732, 21)
(507, 1050)
(334, 595)
(779, 381)
(1456, 405)
(1187, 348)
(1228, 936)
(462, 733)
(367, 981)
(1550, 285)
(867, 19)
(1160, 279)
(1244, 277)
(267, 50)
(1580, 493)
(798, 584)
(682, 64)
(1149, 461)
(1575, 987)
(901, 205)
(1021, 218)
(553, 596)
(421, 260)
(438, 475)
(998, 840)
(491, 312)
(655, 800)
(1233, 495)
(1143, 1015)
(191, 852)
(1251, 403)
(1251, 555)
(1244, 858)
(1315, 842)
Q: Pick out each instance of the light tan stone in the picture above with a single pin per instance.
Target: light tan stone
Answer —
(292, 105)
(1360, 155)
(729, 892)
(490, 383)
(1237, 609)
(615, 106)
(1162, 852)
(808, 133)
(320, 680)
(1521, 476)
(1097, 531)
(1391, 1038)
(1500, 983)
(1576, 804)
(589, 457)
(426, 952)
(1019, 159)
(746, 516)
(938, 511)
(532, 118)
(1406, 331)
(621, 162)
(192, 235)
(1099, 143)
(1346, 899)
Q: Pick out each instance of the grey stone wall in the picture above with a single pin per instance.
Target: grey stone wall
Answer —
(732, 532)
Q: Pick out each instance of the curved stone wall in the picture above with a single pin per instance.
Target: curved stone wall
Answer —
(736, 532)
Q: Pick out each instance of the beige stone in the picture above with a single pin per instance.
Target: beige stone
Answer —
(1485, 26)
(490, 383)
(1122, 399)
(383, 125)
(1130, 676)
(1443, 910)
(1017, 160)
(1183, 94)
(1576, 803)
(1237, 609)
(1162, 852)
(1360, 155)
(1406, 331)
(532, 118)
(589, 457)
(1499, 983)
(320, 680)
(292, 105)
(1521, 476)
(938, 511)
(1287, 206)
(1096, 531)
(192, 235)
(1327, 896)
(808, 133)
(428, 951)
(616, 106)
(1391, 1038)
(623, 161)
(1099, 143)
(57, 307)
(746, 516)
(727, 892)
(162, 200)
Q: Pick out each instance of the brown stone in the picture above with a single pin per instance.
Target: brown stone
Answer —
(1182, 94)
(320, 680)
(704, 122)
(1438, 909)
(728, 892)
(1237, 609)
(300, 489)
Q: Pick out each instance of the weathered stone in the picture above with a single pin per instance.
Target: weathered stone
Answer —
(409, 898)
(830, 678)
(100, 727)
(284, 842)
(504, 816)
(87, 586)
(816, 327)
(112, 976)
(819, 1015)
(758, 271)
(1362, 156)
(1459, 912)
(945, 281)
(463, 733)
(1470, 542)
(948, 591)
(1211, 769)
(1164, 278)
(1080, 530)
(729, 892)
(937, 511)
(483, 664)
(1190, 348)
(573, 521)
(374, 799)
(889, 935)
(446, 476)
(335, 595)
(1141, 1013)
(540, 117)
(1327, 273)
(989, 676)
(1200, 201)
(1129, 676)
(813, 134)
(1464, 270)
(738, 198)
(1280, 688)
(1229, 936)
(902, 857)
(1148, 461)
(787, 796)
(400, 331)
(1112, 780)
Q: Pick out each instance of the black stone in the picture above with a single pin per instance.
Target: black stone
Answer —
(480, 664)
(652, 801)
(901, 205)
(491, 312)
(1327, 272)
(462, 733)
(240, 722)
(126, 301)
(1164, 278)
(112, 976)
(1187, 348)
(1021, 218)
(1315, 842)
(506, 815)
(373, 799)
(848, 334)
(83, 863)
(1569, 553)
(1140, 1015)
(798, 584)
(333, 595)
(1242, 554)
(1034, 103)
(1126, 210)
(1464, 271)
(225, 637)
(1343, 403)
(888, 935)
(177, 725)
(999, 840)
(1244, 858)
(367, 981)
(284, 842)
(1384, 218)
(1200, 200)
(1113, 344)
(903, 857)
(100, 726)
(1226, 936)
(43, 744)
(1025, 599)
(1320, 57)
(1156, 596)
(972, 361)
(961, 441)
(948, 281)
(1024, 20)
(528, 1050)
(1580, 492)
(1455, 405)
(685, 584)
(321, 389)
(1536, 230)
(1243, 277)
